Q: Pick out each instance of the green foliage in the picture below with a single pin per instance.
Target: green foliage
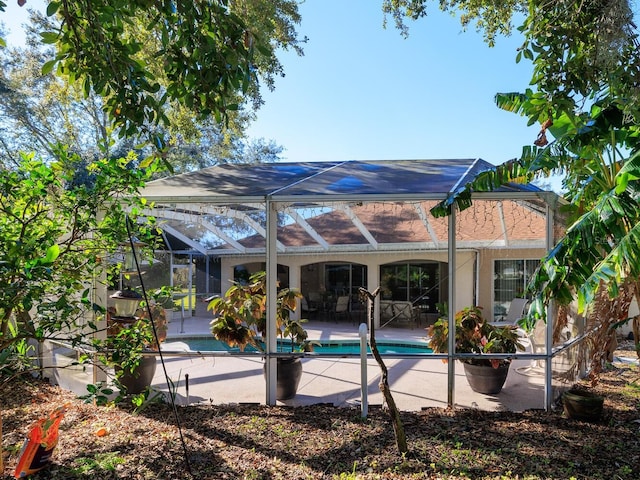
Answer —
(143, 400)
(581, 49)
(474, 335)
(16, 357)
(100, 463)
(91, 47)
(492, 18)
(242, 315)
(143, 58)
(53, 239)
(32, 103)
(125, 346)
(348, 476)
(98, 394)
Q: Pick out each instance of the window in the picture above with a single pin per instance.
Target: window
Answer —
(510, 277)
(344, 278)
(417, 283)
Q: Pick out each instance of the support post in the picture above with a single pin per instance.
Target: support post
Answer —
(99, 287)
(272, 292)
(451, 370)
(364, 381)
(551, 315)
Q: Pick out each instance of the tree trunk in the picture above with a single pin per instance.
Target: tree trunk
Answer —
(394, 413)
(635, 326)
(608, 311)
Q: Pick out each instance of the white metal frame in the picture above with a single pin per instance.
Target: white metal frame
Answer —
(275, 202)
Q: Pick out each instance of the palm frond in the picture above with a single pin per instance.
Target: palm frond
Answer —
(512, 171)
(623, 261)
(513, 102)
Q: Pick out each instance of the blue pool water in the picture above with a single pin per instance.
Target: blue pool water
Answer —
(335, 347)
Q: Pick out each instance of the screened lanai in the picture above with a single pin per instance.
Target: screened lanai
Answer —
(329, 228)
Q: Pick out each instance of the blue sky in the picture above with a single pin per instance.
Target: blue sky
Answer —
(363, 92)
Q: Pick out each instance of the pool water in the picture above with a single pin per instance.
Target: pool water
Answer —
(335, 347)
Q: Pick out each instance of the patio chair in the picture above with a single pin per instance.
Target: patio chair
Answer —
(306, 308)
(358, 309)
(404, 312)
(315, 300)
(386, 310)
(341, 308)
(515, 313)
(537, 340)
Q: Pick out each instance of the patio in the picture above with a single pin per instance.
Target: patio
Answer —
(416, 383)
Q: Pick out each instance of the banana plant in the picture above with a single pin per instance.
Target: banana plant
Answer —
(598, 153)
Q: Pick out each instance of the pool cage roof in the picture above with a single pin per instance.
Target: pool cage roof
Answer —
(339, 206)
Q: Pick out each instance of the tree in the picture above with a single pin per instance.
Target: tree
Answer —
(596, 259)
(578, 48)
(492, 18)
(40, 111)
(394, 413)
(52, 244)
(586, 71)
(112, 49)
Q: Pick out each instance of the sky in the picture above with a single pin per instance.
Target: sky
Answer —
(362, 92)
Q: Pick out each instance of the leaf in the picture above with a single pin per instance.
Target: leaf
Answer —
(48, 67)
(49, 37)
(52, 253)
(52, 8)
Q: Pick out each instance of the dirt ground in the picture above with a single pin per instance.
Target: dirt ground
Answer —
(324, 442)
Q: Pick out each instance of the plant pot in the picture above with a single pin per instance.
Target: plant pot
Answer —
(582, 405)
(137, 381)
(288, 377)
(486, 379)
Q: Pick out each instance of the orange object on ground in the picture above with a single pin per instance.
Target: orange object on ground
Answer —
(38, 446)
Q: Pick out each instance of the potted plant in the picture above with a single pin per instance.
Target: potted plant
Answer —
(129, 332)
(241, 321)
(476, 335)
(581, 404)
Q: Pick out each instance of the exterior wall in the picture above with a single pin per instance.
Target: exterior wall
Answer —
(485, 270)
(468, 292)
(465, 271)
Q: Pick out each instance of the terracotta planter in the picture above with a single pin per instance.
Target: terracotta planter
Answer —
(582, 405)
(137, 381)
(288, 378)
(486, 379)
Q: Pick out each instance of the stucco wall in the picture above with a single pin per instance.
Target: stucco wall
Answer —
(485, 271)
(465, 268)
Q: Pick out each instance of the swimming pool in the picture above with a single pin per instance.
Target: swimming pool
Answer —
(332, 347)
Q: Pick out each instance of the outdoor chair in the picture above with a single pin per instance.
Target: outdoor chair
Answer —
(315, 300)
(404, 312)
(515, 313)
(358, 309)
(386, 310)
(307, 309)
(341, 308)
(537, 341)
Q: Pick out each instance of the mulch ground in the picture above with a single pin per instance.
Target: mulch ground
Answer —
(324, 442)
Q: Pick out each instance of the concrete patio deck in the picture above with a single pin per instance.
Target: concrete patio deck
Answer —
(415, 383)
